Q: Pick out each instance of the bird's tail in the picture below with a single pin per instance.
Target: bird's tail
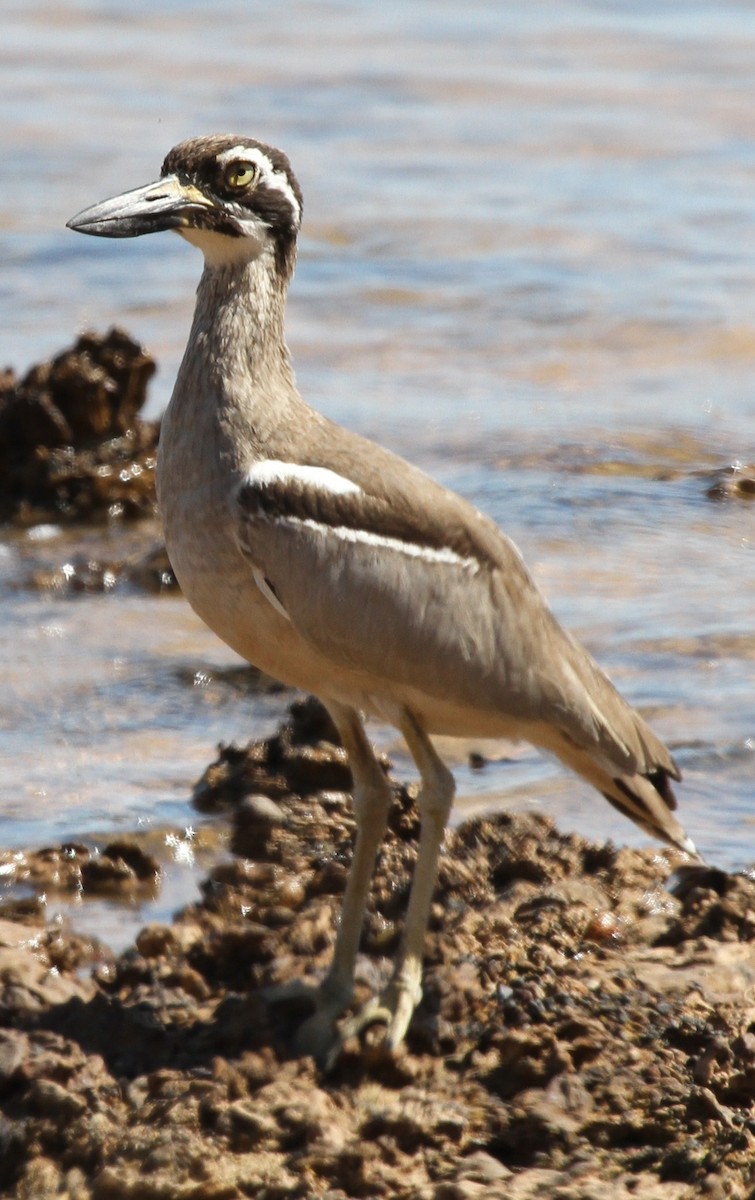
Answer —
(647, 799)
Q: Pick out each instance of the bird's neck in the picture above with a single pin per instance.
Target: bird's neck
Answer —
(236, 362)
(238, 320)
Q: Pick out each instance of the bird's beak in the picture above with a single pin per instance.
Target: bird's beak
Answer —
(169, 203)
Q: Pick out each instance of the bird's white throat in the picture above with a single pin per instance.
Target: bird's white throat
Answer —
(221, 251)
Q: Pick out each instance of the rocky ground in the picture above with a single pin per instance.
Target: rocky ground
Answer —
(584, 1031)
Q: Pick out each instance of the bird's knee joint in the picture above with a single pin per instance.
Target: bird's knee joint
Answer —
(435, 802)
(372, 803)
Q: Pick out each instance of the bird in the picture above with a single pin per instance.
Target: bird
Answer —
(337, 567)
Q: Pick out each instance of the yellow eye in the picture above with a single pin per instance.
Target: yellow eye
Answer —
(239, 175)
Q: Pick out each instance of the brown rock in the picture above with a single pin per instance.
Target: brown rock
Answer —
(733, 483)
(72, 445)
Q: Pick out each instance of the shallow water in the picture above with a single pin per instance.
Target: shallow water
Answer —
(528, 263)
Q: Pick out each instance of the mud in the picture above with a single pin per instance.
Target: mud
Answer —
(585, 1030)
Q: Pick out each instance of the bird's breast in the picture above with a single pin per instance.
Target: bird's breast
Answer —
(193, 489)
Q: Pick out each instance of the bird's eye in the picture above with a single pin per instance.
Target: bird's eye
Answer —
(240, 174)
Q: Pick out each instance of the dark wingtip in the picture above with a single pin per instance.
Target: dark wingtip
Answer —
(660, 780)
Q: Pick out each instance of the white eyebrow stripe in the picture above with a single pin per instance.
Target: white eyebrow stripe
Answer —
(242, 151)
(322, 479)
(273, 178)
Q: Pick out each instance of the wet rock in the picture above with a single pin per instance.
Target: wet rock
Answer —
(72, 445)
(240, 679)
(304, 757)
(40, 1180)
(736, 482)
(152, 571)
(36, 974)
(91, 574)
(57, 867)
(253, 820)
(712, 904)
(122, 868)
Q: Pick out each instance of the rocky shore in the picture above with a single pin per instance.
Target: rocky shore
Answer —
(584, 1030)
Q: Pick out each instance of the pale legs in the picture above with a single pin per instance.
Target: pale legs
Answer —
(372, 799)
(403, 993)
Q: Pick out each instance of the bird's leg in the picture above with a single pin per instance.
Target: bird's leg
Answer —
(403, 993)
(372, 798)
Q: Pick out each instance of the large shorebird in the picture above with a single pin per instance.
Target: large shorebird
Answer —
(338, 567)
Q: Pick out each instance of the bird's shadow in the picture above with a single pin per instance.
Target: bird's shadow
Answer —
(133, 1037)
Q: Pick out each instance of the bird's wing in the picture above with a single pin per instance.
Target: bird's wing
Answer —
(396, 576)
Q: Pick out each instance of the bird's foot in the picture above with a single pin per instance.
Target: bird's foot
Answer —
(325, 1040)
(393, 1008)
(318, 1008)
(320, 1036)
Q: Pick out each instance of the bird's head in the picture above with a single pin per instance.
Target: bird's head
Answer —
(231, 196)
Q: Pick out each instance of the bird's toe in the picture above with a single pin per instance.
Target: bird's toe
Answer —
(394, 1008)
(313, 1011)
(320, 1037)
